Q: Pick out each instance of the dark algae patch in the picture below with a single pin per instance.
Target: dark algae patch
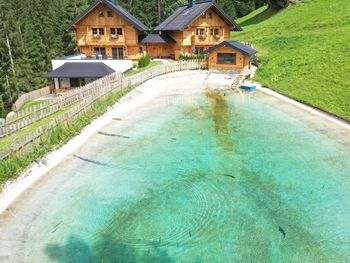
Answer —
(220, 116)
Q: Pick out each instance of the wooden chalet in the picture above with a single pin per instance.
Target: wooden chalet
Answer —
(230, 55)
(194, 27)
(106, 30)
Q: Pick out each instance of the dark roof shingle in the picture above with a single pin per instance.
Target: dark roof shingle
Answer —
(157, 39)
(81, 70)
(116, 8)
(185, 15)
(245, 49)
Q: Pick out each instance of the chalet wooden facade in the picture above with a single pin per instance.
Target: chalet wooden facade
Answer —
(106, 30)
(230, 55)
(196, 27)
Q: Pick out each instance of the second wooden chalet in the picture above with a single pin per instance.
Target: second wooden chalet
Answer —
(193, 28)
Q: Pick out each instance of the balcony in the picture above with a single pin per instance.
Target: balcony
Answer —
(208, 39)
(100, 39)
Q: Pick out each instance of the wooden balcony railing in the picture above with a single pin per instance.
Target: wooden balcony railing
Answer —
(99, 39)
(208, 39)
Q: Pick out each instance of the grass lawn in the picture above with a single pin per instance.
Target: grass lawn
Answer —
(257, 16)
(32, 103)
(150, 65)
(305, 52)
(6, 142)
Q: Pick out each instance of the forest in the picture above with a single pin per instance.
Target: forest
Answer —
(32, 33)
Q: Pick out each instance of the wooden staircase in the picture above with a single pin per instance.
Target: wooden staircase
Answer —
(239, 78)
(237, 82)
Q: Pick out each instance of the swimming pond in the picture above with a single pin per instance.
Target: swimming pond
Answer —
(202, 177)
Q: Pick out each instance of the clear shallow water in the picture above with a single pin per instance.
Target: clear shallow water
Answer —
(195, 178)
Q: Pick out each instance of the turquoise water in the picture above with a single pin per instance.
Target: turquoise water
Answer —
(207, 177)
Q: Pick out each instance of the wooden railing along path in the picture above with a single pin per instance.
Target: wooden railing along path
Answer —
(24, 118)
(80, 100)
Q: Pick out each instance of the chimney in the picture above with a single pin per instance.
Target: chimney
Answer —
(191, 3)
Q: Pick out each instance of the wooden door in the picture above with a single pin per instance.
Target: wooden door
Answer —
(118, 53)
(153, 51)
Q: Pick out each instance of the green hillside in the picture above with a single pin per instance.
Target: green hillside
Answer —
(305, 51)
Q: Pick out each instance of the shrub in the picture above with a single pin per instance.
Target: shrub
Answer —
(144, 61)
(186, 56)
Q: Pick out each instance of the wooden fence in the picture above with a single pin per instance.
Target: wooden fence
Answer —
(137, 79)
(80, 100)
(26, 117)
(33, 95)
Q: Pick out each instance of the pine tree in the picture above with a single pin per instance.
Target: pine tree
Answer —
(2, 107)
(72, 8)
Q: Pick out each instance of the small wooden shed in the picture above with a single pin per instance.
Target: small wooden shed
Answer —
(230, 55)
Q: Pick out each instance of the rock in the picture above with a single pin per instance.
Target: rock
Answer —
(10, 114)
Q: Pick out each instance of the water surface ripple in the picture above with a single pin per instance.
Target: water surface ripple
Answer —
(209, 177)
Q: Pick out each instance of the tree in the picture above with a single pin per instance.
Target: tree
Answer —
(151, 12)
(72, 8)
(277, 3)
(2, 107)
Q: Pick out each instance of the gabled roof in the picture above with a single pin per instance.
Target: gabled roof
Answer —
(158, 39)
(245, 49)
(81, 70)
(186, 15)
(116, 8)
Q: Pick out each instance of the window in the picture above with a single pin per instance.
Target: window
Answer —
(100, 13)
(110, 13)
(200, 31)
(203, 15)
(98, 31)
(227, 58)
(100, 52)
(214, 31)
(118, 53)
(117, 31)
(210, 15)
(198, 50)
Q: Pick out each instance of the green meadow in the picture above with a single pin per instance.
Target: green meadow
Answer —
(305, 52)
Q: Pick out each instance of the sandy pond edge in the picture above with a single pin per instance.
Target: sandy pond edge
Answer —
(16, 187)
